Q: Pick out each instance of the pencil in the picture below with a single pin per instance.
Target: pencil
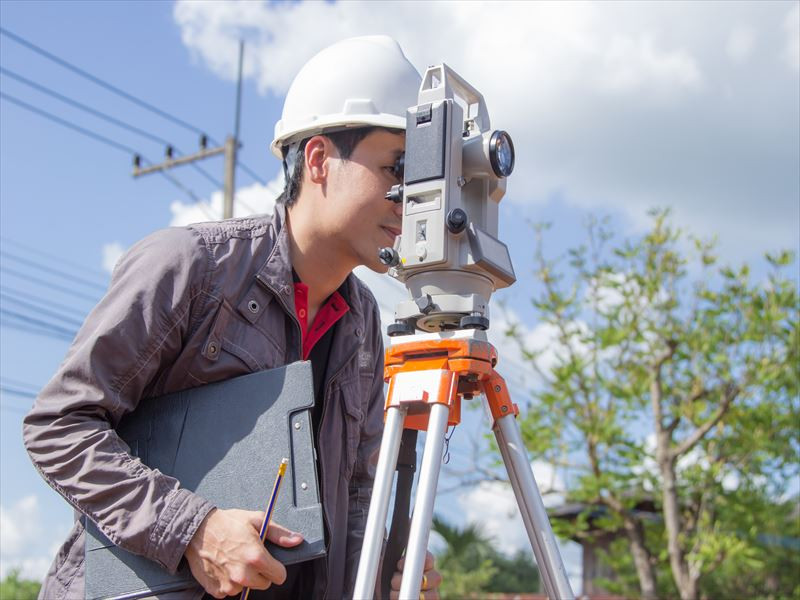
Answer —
(268, 513)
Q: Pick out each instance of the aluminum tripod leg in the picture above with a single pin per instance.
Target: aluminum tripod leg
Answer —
(537, 524)
(379, 505)
(423, 507)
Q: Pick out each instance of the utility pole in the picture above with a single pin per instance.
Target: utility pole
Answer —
(229, 149)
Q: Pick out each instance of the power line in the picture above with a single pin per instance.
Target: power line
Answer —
(36, 302)
(49, 284)
(250, 172)
(118, 91)
(35, 330)
(103, 83)
(104, 116)
(19, 384)
(43, 311)
(95, 272)
(52, 271)
(38, 323)
(60, 121)
(15, 392)
(97, 137)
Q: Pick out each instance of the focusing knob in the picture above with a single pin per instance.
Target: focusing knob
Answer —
(389, 257)
(395, 194)
(456, 220)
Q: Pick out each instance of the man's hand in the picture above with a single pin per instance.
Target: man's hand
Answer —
(226, 553)
(431, 579)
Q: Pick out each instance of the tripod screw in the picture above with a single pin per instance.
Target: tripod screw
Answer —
(400, 328)
(474, 322)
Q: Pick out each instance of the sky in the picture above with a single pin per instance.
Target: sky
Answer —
(614, 108)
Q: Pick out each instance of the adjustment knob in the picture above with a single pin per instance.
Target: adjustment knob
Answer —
(395, 194)
(456, 220)
(389, 257)
(400, 328)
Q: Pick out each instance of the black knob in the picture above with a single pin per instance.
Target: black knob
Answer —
(456, 220)
(474, 322)
(395, 194)
(389, 257)
(425, 304)
(400, 328)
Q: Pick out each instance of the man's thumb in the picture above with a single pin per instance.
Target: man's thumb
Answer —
(278, 534)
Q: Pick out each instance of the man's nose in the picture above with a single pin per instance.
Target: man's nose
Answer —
(398, 209)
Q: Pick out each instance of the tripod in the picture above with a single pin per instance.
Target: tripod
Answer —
(428, 375)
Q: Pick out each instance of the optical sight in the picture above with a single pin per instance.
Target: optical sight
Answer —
(454, 175)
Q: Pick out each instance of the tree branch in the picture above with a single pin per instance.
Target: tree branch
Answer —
(730, 393)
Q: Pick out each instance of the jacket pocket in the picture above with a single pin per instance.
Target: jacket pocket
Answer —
(351, 402)
(233, 347)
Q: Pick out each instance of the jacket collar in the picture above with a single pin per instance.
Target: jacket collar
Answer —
(276, 272)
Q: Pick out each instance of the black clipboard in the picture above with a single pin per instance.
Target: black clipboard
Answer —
(224, 441)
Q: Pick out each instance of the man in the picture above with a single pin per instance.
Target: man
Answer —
(190, 306)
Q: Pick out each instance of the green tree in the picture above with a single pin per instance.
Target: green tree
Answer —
(471, 566)
(677, 390)
(14, 588)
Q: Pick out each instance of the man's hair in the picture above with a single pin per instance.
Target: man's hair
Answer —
(345, 142)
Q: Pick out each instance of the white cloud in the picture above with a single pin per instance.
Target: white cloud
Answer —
(740, 43)
(24, 543)
(791, 26)
(493, 507)
(111, 254)
(253, 199)
(614, 106)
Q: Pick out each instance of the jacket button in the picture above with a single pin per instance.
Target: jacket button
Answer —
(253, 306)
(358, 332)
(213, 348)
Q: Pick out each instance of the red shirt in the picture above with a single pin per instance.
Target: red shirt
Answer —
(330, 312)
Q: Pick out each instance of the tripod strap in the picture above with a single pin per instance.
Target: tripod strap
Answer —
(398, 532)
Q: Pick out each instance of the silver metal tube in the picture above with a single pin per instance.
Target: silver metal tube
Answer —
(423, 506)
(529, 500)
(538, 551)
(379, 504)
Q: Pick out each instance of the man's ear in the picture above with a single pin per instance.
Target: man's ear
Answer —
(317, 153)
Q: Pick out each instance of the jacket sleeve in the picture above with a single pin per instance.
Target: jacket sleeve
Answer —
(129, 337)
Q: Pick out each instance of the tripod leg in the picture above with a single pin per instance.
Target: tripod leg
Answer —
(537, 524)
(379, 504)
(423, 507)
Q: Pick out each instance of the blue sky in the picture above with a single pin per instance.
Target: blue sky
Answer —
(614, 108)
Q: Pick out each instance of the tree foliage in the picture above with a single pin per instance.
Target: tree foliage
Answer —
(472, 567)
(672, 380)
(14, 588)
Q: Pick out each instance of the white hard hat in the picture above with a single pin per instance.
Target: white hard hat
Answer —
(361, 81)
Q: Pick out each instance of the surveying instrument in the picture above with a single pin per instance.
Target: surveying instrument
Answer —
(450, 260)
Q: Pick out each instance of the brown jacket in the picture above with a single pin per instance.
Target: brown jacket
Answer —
(186, 307)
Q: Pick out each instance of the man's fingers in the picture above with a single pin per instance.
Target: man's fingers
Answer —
(433, 580)
(278, 534)
(428, 562)
(397, 579)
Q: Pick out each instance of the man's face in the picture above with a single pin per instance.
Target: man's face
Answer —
(358, 216)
